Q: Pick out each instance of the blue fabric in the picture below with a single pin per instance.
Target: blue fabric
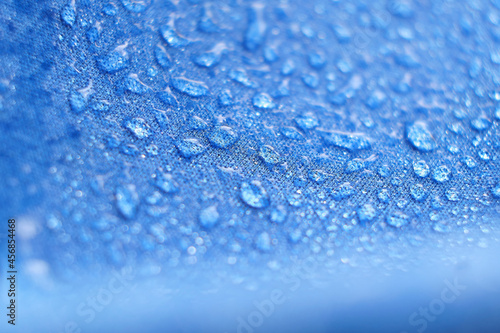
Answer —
(174, 136)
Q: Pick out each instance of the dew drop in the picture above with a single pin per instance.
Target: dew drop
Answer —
(307, 121)
(366, 213)
(209, 217)
(68, 14)
(263, 101)
(349, 141)
(420, 137)
(138, 127)
(397, 219)
(263, 242)
(254, 195)
(189, 147)
(421, 168)
(190, 87)
(269, 155)
(127, 201)
(113, 62)
(441, 174)
(166, 183)
(223, 137)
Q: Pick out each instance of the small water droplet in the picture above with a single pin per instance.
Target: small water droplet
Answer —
(138, 127)
(421, 168)
(113, 62)
(278, 215)
(420, 137)
(254, 195)
(366, 213)
(68, 13)
(209, 217)
(307, 121)
(349, 141)
(343, 191)
(127, 201)
(441, 174)
(263, 242)
(269, 155)
(171, 37)
(189, 147)
(263, 101)
(190, 87)
(166, 183)
(223, 137)
(397, 219)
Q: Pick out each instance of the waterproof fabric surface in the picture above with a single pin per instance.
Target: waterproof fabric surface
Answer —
(176, 136)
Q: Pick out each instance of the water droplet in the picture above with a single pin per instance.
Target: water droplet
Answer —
(342, 33)
(421, 168)
(483, 154)
(256, 29)
(263, 242)
(138, 127)
(376, 99)
(269, 155)
(480, 124)
(418, 192)
(240, 76)
(366, 213)
(442, 227)
(127, 201)
(197, 124)
(226, 98)
(316, 60)
(278, 215)
(288, 67)
(135, 6)
(68, 13)
(295, 199)
(495, 191)
(113, 62)
(441, 174)
(190, 147)
(291, 133)
(263, 101)
(354, 165)
(254, 195)
(223, 137)
(77, 101)
(162, 57)
(349, 141)
(190, 87)
(401, 8)
(420, 137)
(109, 9)
(343, 191)
(171, 37)
(270, 54)
(311, 80)
(397, 219)
(209, 217)
(166, 183)
(470, 162)
(307, 121)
